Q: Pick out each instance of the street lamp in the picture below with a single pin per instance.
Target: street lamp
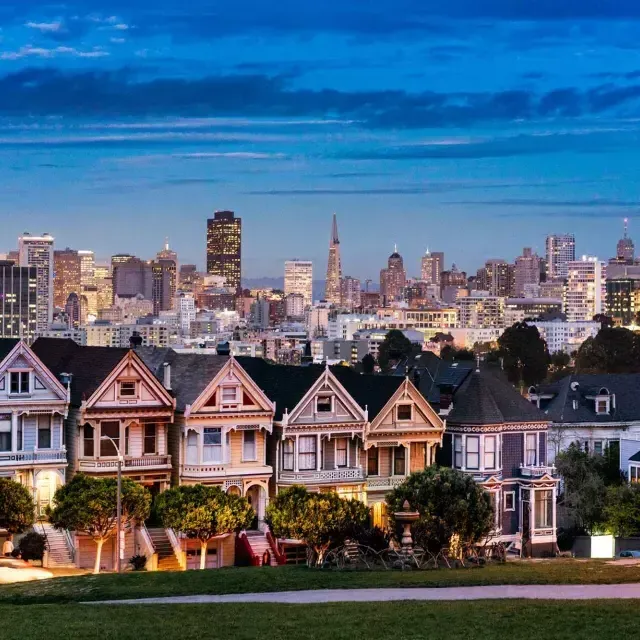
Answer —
(119, 505)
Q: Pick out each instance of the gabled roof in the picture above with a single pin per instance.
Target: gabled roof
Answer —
(484, 398)
(444, 374)
(6, 346)
(89, 365)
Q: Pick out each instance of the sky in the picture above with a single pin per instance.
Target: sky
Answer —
(469, 127)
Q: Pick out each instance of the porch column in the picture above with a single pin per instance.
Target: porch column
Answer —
(14, 431)
(407, 459)
(348, 452)
(427, 448)
(296, 466)
(318, 453)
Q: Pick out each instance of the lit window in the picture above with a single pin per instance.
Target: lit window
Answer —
(249, 450)
(473, 452)
(634, 474)
(530, 449)
(127, 389)
(404, 412)
(323, 404)
(19, 382)
(341, 452)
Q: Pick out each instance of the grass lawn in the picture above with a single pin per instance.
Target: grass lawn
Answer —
(243, 580)
(523, 620)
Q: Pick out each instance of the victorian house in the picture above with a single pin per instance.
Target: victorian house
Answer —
(497, 436)
(33, 406)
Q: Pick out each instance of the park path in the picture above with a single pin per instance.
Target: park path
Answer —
(528, 592)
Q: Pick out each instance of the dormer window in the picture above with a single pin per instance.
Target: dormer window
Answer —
(602, 406)
(404, 412)
(324, 404)
(19, 383)
(128, 389)
(229, 395)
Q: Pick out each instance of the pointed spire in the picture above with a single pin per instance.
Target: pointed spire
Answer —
(334, 231)
(395, 247)
(626, 227)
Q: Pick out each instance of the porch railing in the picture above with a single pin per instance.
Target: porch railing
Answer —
(8, 458)
(108, 464)
(329, 475)
(536, 471)
(385, 482)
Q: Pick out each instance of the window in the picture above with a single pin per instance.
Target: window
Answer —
(88, 436)
(127, 389)
(212, 449)
(530, 442)
(634, 474)
(19, 382)
(5, 432)
(544, 509)
(399, 461)
(473, 452)
(249, 451)
(150, 438)
(602, 406)
(489, 452)
(372, 461)
(307, 457)
(287, 455)
(598, 449)
(341, 452)
(192, 447)
(510, 501)
(404, 412)
(457, 452)
(323, 404)
(112, 430)
(44, 432)
(229, 394)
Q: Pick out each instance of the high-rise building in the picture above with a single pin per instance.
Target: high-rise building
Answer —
(527, 271)
(351, 292)
(497, 277)
(87, 268)
(169, 259)
(332, 293)
(294, 306)
(104, 286)
(561, 249)
(73, 310)
(585, 289)
(18, 301)
(393, 279)
(298, 278)
(224, 248)
(622, 298)
(66, 276)
(163, 275)
(432, 266)
(625, 248)
(132, 276)
(37, 251)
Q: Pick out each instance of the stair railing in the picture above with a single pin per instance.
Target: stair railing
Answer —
(177, 548)
(277, 551)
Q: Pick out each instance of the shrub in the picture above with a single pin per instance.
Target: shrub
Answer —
(138, 562)
(32, 546)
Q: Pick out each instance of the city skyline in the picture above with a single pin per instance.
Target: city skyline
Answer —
(376, 113)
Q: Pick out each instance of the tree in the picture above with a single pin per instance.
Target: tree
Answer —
(368, 364)
(17, 509)
(89, 505)
(614, 350)
(202, 513)
(450, 354)
(622, 510)
(449, 502)
(394, 348)
(322, 520)
(524, 354)
(604, 320)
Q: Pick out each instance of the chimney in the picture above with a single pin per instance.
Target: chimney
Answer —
(166, 376)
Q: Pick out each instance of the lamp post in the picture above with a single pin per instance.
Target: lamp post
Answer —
(118, 505)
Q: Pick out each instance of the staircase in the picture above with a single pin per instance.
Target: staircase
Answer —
(167, 560)
(60, 555)
(259, 544)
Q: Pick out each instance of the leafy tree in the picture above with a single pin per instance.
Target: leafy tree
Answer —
(524, 354)
(89, 505)
(449, 502)
(449, 353)
(202, 513)
(32, 546)
(604, 320)
(614, 350)
(622, 510)
(322, 520)
(394, 348)
(368, 364)
(560, 360)
(17, 509)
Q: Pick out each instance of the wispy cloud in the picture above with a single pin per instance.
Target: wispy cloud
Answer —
(29, 51)
(45, 27)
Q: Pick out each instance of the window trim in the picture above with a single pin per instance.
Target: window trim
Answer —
(346, 452)
(495, 452)
(457, 438)
(286, 453)
(212, 447)
(133, 396)
(377, 457)
(38, 430)
(511, 494)
(404, 460)
(20, 373)
(475, 453)
(145, 438)
(255, 446)
(410, 418)
(536, 450)
(331, 405)
(229, 387)
(315, 453)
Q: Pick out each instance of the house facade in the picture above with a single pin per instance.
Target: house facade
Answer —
(33, 407)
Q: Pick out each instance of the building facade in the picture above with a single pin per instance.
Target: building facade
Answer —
(298, 278)
(585, 289)
(561, 250)
(431, 267)
(66, 276)
(37, 251)
(527, 272)
(18, 301)
(393, 279)
(224, 248)
(332, 292)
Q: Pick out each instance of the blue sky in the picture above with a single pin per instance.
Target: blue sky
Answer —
(472, 127)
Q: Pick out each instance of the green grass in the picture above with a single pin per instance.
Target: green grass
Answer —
(523, 620)
(243, 580)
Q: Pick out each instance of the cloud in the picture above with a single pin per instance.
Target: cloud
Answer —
(43, 52)
(45, 27)
(542, 202)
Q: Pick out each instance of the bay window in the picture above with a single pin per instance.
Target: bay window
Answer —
(5, 433)
(111, 430)
(212, 445)
(544, 509)
(457, 452)
(88, 440)
(489, 452)
(399, 461)
(372, 461)
(288, 450)
(150, 439)
(530, 449)
(249, 450)
(473, 452)
(44, 432)
(341, 452)
(308, 454)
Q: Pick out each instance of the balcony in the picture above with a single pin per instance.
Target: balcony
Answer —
(535, 471)
(18, 458)
(331, 476)
(110, 465)
(384, 483)
(215, 471)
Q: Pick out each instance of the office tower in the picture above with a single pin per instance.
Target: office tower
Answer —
(351, 292)
(622, 299)
(163, 280)
(625, 248)
(294, 306)
(18, 301)
(527, 271)
(73, 311)
(104, 286)
(37, 251)
(561, 249)
(497, 277)
(87, 268)
(585, 289)
(224, 248)
(298, 278)
(131, 277)
(334, 267)
(169, 259)
(393, 279)
(66, 275)
(431, 267)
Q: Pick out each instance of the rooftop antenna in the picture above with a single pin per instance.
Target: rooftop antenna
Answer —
(626, 227)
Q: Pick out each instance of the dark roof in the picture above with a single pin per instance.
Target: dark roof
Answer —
(484, 398)
(89, 366)
(6, 346)
(578, 390)
(635, 457)
(444, 374)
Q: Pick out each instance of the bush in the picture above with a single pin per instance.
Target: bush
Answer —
(375, 538)
(566, 539)
(138, 562)
(32, 546)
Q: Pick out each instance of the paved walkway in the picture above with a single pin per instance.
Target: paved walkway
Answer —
(534, 592)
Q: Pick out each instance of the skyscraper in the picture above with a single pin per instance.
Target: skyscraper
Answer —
(332, 293)
(87, 268)
(351, 292)
(527, 271)
(625, 248)
(104, 286)
(561, 249)
(498, 277)
(298, 278)
(18, 301)
(224, 247)
(132, 276)
(393, 279)
(66, 275)
(585, 289)
(432, 266)
(169, 259)
(37, 251)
